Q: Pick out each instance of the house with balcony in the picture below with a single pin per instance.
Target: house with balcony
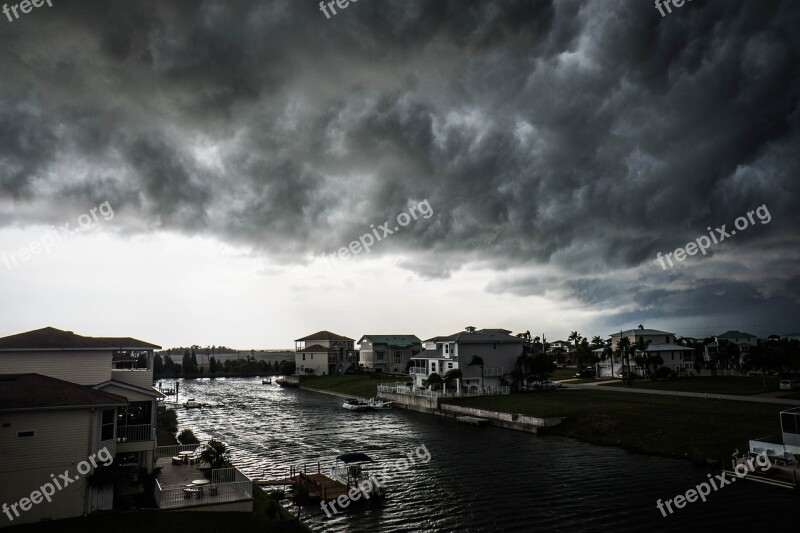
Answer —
(324, 353)
(388, 353)
(63, 397)
(497, 347)
(676, 357)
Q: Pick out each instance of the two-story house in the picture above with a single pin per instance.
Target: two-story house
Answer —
(497, 348)
(64, 397)
(388, 353)
(324, 353)
(678, 358)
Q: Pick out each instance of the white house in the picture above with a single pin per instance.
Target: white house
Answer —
(324, 353)
(678, 358)
(62, 399)
(497, 347)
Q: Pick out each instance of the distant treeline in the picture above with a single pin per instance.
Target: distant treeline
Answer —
(243, 366)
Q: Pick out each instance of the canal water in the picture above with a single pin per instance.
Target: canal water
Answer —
(478, 479)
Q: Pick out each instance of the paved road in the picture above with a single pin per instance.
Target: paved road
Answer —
(710, 396)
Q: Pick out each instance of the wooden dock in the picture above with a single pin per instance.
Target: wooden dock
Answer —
(473, 420)
(320, 486)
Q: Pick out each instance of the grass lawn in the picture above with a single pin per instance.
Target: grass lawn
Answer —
(563, 373)
(715, 384)
(267, 516)
(358, 386)
(691, 428)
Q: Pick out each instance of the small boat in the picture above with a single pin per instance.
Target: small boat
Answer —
(379, 404)
(266, 381)
(356, 405)
(191, 403)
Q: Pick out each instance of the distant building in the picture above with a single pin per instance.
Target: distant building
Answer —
(324, 353)
(744, 341)
(64, 397)
(563, 345)
(678, 358)
(388, 353)
(497, 347)
(792, 336)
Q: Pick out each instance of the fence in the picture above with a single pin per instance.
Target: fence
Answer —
(220, 490)
(402, 388)
(172, 451)
(140, 432)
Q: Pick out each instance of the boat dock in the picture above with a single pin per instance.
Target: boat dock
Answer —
(472, 420)
(320, 486)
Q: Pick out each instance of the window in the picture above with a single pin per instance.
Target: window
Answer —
(667, 341)
(494, 346)
(449, 366)
(304, 357)
(22, 434)
(397, 358)
(379, 356)
(446, 348)
(107, 425)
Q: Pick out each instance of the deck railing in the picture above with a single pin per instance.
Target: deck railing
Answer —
(402, 388)
(239, 488)
(139, 432)
(172, 451)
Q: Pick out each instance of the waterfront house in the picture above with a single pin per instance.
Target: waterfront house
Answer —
(324, 353)
(388, 353)
(497, 347)
(680, 359)
(743, 341)
(64, 397)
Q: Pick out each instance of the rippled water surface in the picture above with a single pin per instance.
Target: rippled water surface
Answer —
(478, 479)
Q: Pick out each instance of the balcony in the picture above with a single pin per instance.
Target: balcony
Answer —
(135, 433)
(418, 370)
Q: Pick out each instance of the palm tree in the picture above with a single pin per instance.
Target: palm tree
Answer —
(624, 350)
(597, 342)
(477, 361)
(215, 454)
(640, 350)
(433, 380)
(452, 374)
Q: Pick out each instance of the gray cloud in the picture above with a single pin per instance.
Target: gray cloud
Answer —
(581, 136)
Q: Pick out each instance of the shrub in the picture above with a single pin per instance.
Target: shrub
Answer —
(664, 372)
(187, 437)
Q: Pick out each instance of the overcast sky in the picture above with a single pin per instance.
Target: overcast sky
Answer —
(559, 145)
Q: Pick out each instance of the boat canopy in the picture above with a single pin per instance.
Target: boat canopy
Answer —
(353, 458)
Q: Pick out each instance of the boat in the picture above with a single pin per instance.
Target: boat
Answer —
(356, 405)
(351, 470)
(379, 403)
(266, 381)
(191, 403)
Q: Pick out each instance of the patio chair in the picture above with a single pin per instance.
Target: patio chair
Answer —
(177, 460)
(187, 492)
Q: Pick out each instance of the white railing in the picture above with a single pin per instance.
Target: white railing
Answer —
(239, 488)
(494, 371)
(401, 388)
(140, 432)
(417, 370)
(172, 451)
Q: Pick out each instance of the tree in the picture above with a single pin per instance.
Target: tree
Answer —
(541, 367)
(624, 351)
(584, 355)
(640, 354)
(158, 365)
(477, 361)
(215, 454)
(761, 357)
(454, 374)
(433, 381)
(212, 365)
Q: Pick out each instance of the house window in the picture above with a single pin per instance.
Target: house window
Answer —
(379, 356)
(22, 434)
(667, 341)
(107, 425)
(446, 348)
(304, 357)
(397, 358)
(449, 365)
(494, 346)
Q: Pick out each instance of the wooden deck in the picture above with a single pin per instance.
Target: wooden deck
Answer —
(320, 486)
(173, 476)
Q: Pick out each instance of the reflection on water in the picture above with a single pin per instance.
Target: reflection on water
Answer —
(478, 479)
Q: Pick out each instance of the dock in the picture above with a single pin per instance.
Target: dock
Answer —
(320, 487)
(472, 420)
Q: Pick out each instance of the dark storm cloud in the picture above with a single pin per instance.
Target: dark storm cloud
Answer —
(580, 136)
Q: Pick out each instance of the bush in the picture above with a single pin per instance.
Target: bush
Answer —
(168, 420)
(187, 437)
(664, 372)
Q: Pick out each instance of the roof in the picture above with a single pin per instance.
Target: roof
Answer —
(392, 340)
(34, 391)
(316, 348)
(480, 336)
(353, 457)
(56, 339)
(642, 331)
(733, 334)
(429, 354)
(324, 336)
(670, 347)
(149, 392)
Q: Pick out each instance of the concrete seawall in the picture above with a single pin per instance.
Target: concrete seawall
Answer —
(433, 406)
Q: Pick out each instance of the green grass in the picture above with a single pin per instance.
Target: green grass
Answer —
(691, 428)
(267, 516)
(563, 373)
(359, 386)
(711, 385)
